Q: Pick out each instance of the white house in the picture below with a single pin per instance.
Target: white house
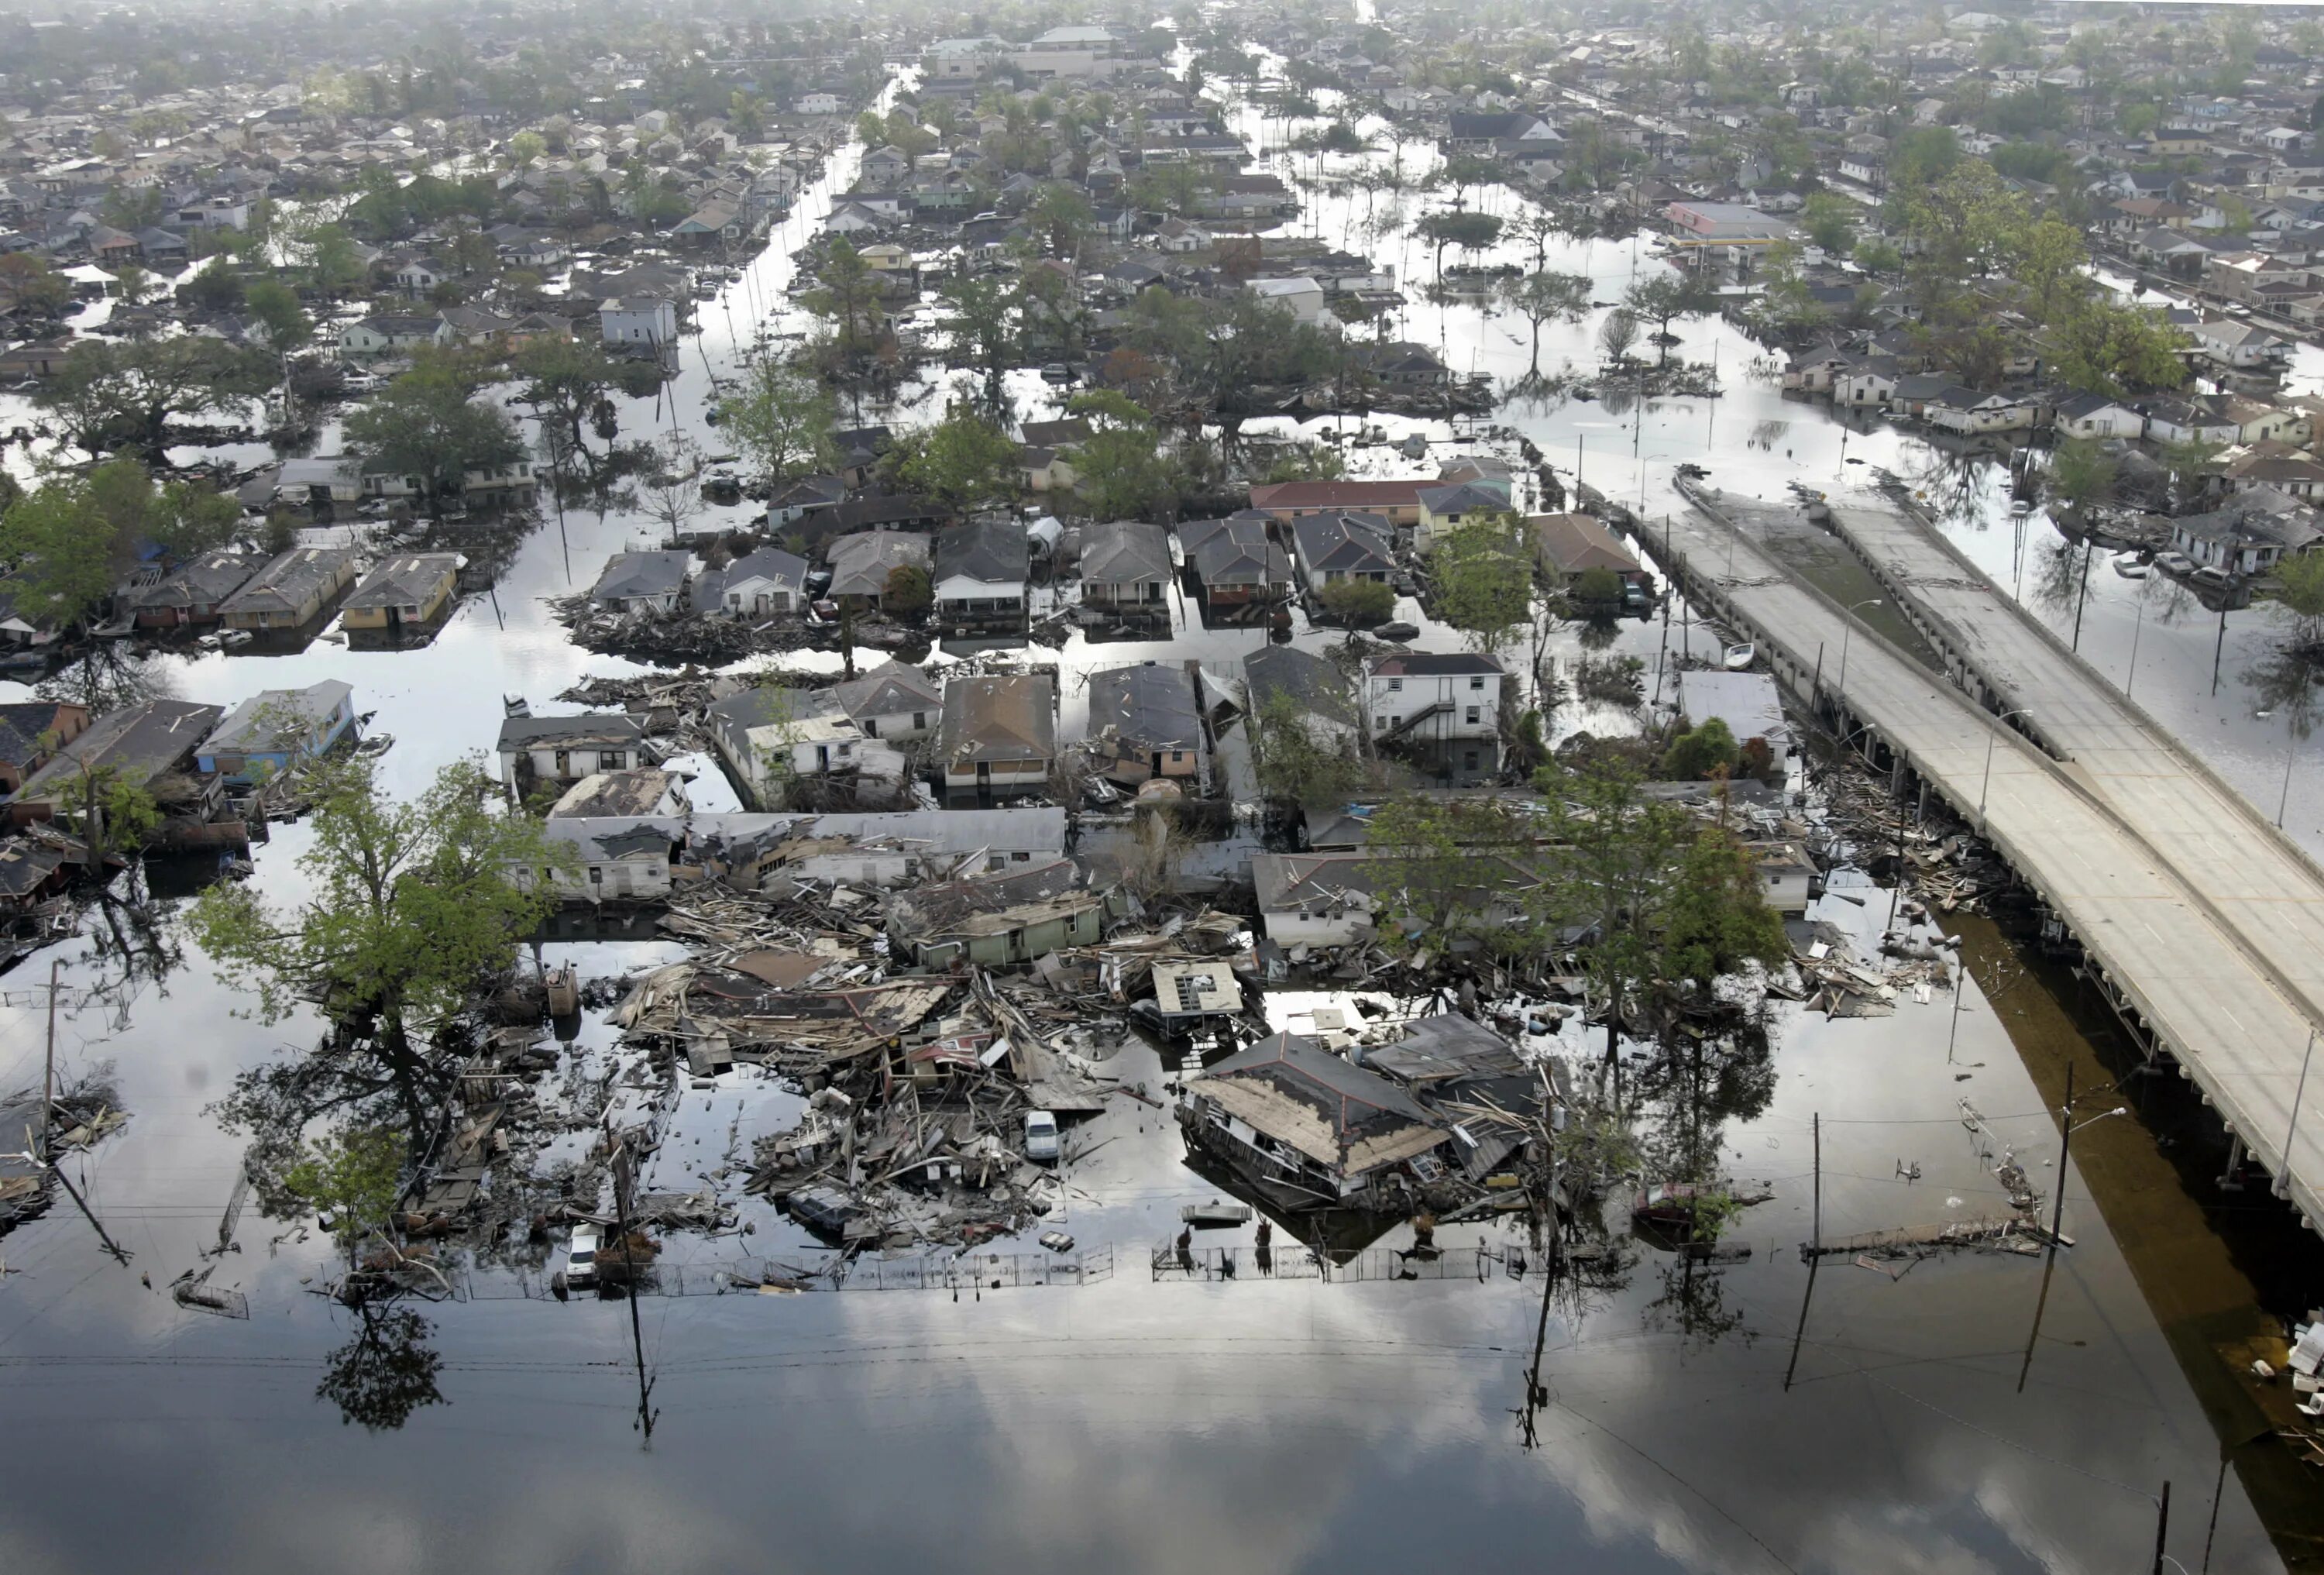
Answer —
(767, 736)
(818, 103)
(389, 335)
(1455, 696)
(1303, 298)
(638, 320)
(2095, 416)
(2231, 344)
(767, 581)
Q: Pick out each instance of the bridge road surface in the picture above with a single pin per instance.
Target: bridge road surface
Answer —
(2209, 929)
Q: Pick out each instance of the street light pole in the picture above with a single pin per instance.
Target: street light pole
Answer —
(2283, 1171)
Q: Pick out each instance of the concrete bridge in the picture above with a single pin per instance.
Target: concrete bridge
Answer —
(2204, 925)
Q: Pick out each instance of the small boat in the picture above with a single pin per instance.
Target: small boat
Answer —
(1215, 1216)
(374, 744)
(1397, 631)
(2130, 566)
(515, 706)
(1738, 657)
(1057, 372)
(230, 638)
(1414, 445)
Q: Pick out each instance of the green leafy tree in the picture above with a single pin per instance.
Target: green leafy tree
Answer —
(1122, 469)
(274, 306)
(1706, 750)
(425, 424)
(2082, 472)
(1831, 221)
(1483, 579)
(1661, 298)
(1294, 755)
(782, 419)
(353, 1177)
(30, 286)
(963, 461)
(109, 395)
(2299, 588)
(1439, 872)
(113, 811)
(1470, 231)
(2118, 351)
(1357, 603)
(848, 298)
(1540, 296)
(908, 591)
(61, 552)
(217, 287)
(407, 907)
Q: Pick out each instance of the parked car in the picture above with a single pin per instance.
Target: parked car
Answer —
(2174, 563)
(1042, 1144)
(581, 1258)
(2212, 576)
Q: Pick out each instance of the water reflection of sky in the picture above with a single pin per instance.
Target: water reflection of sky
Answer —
(1262, 1427)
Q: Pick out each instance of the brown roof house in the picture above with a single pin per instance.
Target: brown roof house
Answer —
(999, 734)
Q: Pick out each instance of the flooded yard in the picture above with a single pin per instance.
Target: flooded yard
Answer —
(1965, 1410)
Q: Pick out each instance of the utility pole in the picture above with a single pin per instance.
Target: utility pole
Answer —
(2083, 600)
(2162, 1525)
(1815, 1258)
(2057, 1217)
(49, 1073)
(624, 1174)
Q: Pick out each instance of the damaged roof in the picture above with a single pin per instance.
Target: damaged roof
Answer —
(990, 905)
(999, 716)
(1288, 1088)
(1151, 706)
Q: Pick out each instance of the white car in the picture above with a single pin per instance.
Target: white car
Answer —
(1042, 1144)
(581, 1258)
(2174, 563)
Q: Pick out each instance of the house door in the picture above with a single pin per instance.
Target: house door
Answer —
(564, 764)
(984, 775)
(395, 616)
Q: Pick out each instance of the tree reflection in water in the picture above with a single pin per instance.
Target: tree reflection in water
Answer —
(114, 673)
(385, 1372)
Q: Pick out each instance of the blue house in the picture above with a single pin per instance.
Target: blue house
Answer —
(276, 729)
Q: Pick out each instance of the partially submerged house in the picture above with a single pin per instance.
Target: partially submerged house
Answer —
(194, 591)
(1309, 1130)
(1236, 561)
(768, 737)
(893, 702)
(277, 729)
(566, 748)
(863, 566)
(408, 591)
(1146, 721)
(980, 570)
(292, 591)
(1125, 571)
(763, 583)
(149, 745)
(999, 734)
(31, 733)
(643, 582)
(997, 919)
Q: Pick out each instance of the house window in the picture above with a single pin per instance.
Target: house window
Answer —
(611, 761)
(1396, 686)
(870, 728)
(919, 722)
(1476, 685)
(1472, 716)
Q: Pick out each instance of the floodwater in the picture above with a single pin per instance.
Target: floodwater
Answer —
(1744, 1417)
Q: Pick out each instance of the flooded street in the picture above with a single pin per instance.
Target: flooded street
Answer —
(1949, 1415)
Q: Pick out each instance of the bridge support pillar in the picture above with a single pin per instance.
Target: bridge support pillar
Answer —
(2231, 1179)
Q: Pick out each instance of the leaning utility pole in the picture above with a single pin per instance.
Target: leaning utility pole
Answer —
(623, 1174)
(48, 1071)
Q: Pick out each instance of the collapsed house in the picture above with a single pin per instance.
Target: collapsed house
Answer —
(995, 920)
(1307, 1129)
